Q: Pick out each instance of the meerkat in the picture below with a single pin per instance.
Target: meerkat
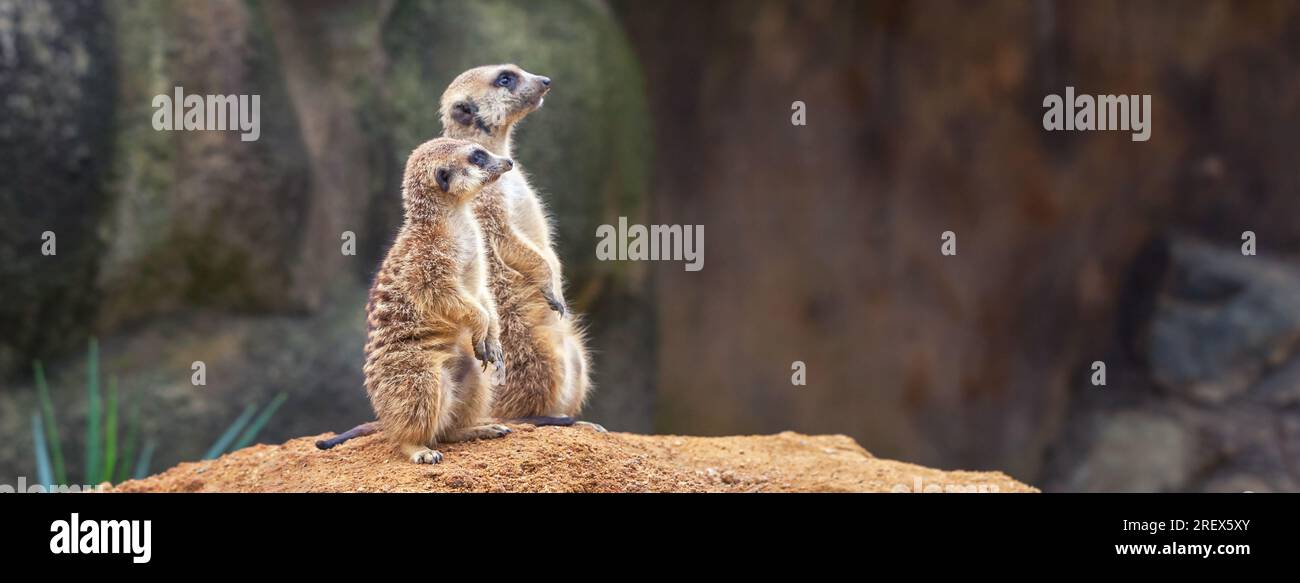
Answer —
(549, 372)
(430, 314)
(549, 376)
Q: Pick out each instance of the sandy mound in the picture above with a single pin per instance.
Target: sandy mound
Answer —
(559, 459)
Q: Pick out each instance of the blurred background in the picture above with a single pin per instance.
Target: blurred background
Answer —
(822, 241)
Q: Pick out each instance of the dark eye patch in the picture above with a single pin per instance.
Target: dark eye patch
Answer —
(478, 158)
(506, 79)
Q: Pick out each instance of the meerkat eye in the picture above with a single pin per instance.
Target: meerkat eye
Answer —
(478, 158)
(505, 79)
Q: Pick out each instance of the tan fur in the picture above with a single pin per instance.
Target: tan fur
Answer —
(430, 315)
(549, 371)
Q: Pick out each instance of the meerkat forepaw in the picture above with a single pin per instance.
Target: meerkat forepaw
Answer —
(426, 456)
(489, 353)
(553, 300)
(598, 428)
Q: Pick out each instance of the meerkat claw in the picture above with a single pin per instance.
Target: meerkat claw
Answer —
(555, 303)
(426, 456)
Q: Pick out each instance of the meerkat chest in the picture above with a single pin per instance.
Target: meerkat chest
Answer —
(467, 244)
(515, 192)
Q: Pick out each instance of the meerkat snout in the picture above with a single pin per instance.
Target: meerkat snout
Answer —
(494, 165)
(544, 88)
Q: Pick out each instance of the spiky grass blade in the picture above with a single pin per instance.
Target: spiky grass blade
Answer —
(142, 464)
(262, 419)
(110, 433)
(51, 428)
(94, 430)
(43, 472)
(132, 441)
(223, 442)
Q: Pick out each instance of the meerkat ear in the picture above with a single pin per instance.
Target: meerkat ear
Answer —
(463, 112)
(443, 178)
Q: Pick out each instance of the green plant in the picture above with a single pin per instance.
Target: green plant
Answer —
(108, 458)
(128, 446)
(42, 455)
(51, 432)
(93, 417)
(224, 443)
(142, 465)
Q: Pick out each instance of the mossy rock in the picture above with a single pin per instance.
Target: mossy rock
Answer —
(200, 218)
(55, 146)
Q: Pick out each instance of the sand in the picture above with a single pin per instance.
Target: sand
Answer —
(572, 459)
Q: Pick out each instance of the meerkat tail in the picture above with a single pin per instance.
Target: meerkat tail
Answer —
(557, 421)
(544, 420)
(358, 431)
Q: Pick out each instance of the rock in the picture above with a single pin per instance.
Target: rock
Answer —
(1238, 483)
(147, 222)
(202, 218)
(557, 459)
(1281, 387)
(1135, 451)
(56, 146)
(1221, 320)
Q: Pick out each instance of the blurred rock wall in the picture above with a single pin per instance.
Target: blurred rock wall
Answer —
(55, 145)
(924, 117)
(1208, 399)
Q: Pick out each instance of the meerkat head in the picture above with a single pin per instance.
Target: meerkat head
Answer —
(446, 172)
(484, 103)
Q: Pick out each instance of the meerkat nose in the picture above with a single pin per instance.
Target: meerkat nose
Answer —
(509, 164)
(546, 81)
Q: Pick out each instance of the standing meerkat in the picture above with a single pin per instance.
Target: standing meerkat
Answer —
(430, 314)
(548, 379)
